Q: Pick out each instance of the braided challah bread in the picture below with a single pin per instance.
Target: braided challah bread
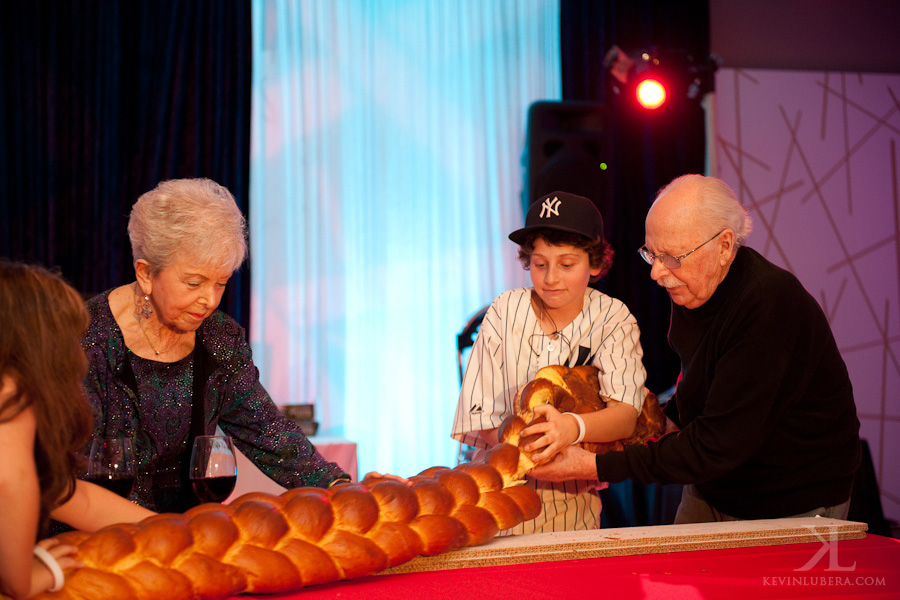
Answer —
(263, 543)
(575, 390)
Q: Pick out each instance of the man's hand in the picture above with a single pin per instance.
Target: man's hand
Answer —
(572, 462)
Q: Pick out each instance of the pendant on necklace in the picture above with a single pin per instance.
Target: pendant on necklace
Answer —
(551, 347)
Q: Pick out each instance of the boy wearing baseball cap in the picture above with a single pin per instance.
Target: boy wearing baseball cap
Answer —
(559, 320)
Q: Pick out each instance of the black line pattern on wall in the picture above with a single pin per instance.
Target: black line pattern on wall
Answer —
(813, 157)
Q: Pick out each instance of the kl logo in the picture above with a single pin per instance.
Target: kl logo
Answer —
(829, 548)
(550, 207)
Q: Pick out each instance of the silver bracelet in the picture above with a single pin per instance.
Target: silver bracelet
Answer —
(581, 427)
(58, 577)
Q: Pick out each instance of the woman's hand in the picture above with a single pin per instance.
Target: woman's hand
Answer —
(42, 578)
(558, 431)
(374, 477)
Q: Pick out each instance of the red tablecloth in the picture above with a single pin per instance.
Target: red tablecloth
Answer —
(864, 568)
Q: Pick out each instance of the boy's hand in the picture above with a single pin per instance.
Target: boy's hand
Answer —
(558, 431)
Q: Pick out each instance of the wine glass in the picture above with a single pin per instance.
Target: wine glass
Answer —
(111, 464)
(213, 470)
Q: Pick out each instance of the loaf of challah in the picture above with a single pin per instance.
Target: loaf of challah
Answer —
(262, 543)
(575, 390)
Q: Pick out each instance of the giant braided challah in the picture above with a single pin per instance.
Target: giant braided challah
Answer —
(262, 543)
(575, 390)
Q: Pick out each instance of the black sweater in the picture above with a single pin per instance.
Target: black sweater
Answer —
(764, 402)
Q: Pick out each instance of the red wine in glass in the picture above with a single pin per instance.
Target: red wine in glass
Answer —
(121, 485)
(111, 464)
(213, 471)
(213, 489)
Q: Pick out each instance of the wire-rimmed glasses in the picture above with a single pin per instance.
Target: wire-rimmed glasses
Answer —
(668, 261)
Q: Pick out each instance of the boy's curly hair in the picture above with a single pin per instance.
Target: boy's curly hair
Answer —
(599, 251)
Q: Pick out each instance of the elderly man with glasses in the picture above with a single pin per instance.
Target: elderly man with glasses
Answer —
(762, 423)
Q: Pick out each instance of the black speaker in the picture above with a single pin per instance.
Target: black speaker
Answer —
(567, 149)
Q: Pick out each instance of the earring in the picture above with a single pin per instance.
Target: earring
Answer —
(145, 309)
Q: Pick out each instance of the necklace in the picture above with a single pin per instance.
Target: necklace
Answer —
(553, 336)
(142, 312)
(555, 333)
(152, 347)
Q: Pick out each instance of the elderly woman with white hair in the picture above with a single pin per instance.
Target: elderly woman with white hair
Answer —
(166, 365)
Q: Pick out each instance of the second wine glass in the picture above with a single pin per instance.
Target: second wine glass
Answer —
(213, 470)
(111, 464)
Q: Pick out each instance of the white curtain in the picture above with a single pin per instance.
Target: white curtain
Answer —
(386, 173)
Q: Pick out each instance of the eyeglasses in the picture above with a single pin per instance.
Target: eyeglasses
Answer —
(669, 261)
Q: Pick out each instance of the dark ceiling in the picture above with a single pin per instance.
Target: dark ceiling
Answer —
(818, 35)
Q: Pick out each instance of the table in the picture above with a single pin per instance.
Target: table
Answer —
(866, 568)
(334, 449)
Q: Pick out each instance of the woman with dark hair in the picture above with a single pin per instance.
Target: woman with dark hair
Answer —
(44, 421)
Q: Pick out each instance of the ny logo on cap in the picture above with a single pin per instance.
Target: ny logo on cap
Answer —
(550, 207)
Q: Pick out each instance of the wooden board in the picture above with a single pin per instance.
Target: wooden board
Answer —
(624, 541)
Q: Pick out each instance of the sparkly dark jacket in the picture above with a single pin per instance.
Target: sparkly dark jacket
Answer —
(234, 399)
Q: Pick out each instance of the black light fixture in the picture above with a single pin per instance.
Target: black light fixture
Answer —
(653, 79)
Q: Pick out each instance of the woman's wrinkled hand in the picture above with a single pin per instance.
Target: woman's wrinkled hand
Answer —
(375, 476)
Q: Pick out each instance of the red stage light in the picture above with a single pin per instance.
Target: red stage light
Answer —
(650, 93)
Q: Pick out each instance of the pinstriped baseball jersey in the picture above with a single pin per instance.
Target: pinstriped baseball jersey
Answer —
(511, 348)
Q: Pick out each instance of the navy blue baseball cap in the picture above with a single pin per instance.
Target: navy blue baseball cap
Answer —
(562, 211)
